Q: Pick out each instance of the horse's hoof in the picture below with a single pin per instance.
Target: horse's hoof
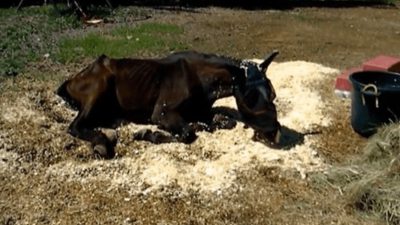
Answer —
(189, 138)
(111, 135)
(142, 134)
(101, 150)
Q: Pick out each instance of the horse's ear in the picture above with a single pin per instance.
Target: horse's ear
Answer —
(264, 65)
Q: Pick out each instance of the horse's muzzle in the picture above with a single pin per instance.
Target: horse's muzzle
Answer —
(270, 138)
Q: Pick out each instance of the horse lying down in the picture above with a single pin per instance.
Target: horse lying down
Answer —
(175, 92)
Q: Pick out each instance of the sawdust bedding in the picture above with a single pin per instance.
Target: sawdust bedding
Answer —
(211, 164)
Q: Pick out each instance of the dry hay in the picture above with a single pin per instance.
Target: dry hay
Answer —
(371, 181)
(33, 131)
(376, 188)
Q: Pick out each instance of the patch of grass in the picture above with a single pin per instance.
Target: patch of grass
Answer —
(36, 32)
(121, 42)
(27, 35)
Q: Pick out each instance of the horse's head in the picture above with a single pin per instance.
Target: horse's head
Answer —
(255, 101)
(78, 87)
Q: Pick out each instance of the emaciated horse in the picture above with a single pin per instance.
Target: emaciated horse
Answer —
(170, 92)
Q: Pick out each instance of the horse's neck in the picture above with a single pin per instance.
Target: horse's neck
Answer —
(238, 76)
(227, 89)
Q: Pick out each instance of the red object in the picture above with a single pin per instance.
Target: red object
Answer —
(381, 63)
(343, 82)
(384, 63)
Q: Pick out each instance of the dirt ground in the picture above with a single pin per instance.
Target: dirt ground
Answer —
(47, 177)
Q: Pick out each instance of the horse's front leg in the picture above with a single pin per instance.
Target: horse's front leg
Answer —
(83, 128)
(213, 122)
(220, 121)
(173, 122)
(170, 121)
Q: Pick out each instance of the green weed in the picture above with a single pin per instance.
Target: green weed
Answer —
(121, 42)
(28, 35)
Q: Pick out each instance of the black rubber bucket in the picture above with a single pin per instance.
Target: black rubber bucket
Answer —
(375, 100)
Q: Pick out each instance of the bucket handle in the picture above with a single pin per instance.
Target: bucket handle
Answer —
(375, 93)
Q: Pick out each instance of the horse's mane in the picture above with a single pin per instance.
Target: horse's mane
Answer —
(212, 58)
(222, 59)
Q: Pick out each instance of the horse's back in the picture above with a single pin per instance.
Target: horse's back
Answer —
(214, 59)
(140, 82)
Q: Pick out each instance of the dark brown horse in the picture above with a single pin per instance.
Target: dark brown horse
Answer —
(170, 92)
